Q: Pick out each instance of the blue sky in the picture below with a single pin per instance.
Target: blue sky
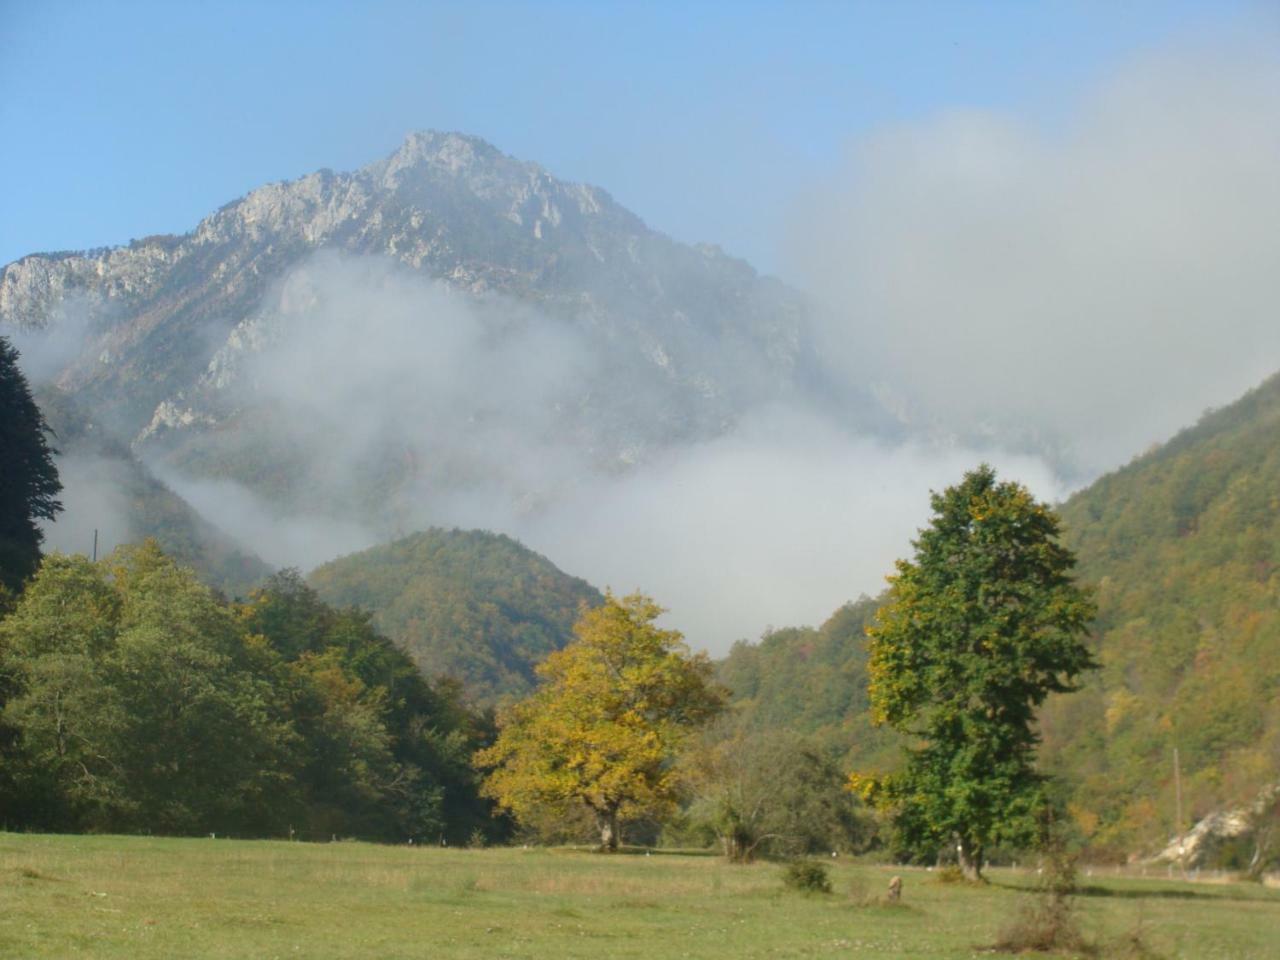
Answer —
(123, 119)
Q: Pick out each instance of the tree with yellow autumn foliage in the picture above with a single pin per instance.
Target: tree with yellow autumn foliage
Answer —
(612, 710)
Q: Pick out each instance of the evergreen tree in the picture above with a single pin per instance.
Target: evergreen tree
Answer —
(978, 629)
(29, 483)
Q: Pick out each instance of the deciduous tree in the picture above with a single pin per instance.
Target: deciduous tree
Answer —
(771, 790)
(613, 709)
(978, 629)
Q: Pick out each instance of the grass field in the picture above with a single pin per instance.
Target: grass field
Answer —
(144, 898)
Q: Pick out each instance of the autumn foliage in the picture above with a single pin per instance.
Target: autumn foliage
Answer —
(603, 728)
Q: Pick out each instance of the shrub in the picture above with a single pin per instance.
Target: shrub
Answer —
(950, 874)
(808, 876)
(1048, 923)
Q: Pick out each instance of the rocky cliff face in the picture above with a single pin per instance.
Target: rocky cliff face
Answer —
(165, 314)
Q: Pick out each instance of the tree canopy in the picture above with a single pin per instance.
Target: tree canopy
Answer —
(602, 730)
(132, 697)
(769, 790)
(29, 484)
(983, 624)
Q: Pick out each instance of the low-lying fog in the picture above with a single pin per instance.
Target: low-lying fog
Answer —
(1049, 296)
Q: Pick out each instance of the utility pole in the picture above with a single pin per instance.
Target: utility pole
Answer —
(95, 544)
(1177, 793)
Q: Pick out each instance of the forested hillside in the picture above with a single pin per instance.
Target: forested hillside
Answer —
(1183, 545)
(476, 606)
(812, 681)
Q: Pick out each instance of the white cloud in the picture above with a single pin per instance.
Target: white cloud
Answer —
(1088, 289)
(1095, 286)
(776, 523)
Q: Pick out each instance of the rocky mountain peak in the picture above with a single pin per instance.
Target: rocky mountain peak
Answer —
(696, 327)
(444, 151)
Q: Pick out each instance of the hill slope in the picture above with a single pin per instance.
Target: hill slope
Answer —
(468, 604)
(1184, 545)
(812, 681)
(107, 489)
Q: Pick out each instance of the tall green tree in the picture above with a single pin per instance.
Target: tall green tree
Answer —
(613, 711)
(983, 624)
(29, 484)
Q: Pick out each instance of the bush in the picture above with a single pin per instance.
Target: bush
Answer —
(949, 874)
(807, 876)
(1048, 923)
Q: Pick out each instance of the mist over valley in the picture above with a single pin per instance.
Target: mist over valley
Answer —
(831, 451)
(453, 337)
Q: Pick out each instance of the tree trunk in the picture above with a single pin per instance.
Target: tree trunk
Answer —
(969, 857)
(607, 821)
(738, 847)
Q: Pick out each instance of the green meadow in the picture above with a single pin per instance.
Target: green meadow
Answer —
(139, 898)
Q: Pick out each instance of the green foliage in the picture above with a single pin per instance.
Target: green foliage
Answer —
(474, 606)
(770, 792)
(807, 876)
(134, 698)
(978, 629)
(132, 709)
(29, 484)
(1183, 543)
(386, 754)
(813, 682)
(614, 709)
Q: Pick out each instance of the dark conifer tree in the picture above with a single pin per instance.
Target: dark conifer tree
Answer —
(29, 484)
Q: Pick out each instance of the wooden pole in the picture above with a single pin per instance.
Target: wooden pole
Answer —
(1177, 792)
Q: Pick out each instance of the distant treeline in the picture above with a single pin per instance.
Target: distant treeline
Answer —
(136, 699)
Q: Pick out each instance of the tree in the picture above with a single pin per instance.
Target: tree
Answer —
(770, 790)
(134, 697)
(384, 753)
(977, 630)
(126, 683)
(29, 484)
(613, 709)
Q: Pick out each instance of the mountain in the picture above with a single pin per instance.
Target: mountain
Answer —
(475, 606)
(107, 490)
(673, 342)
